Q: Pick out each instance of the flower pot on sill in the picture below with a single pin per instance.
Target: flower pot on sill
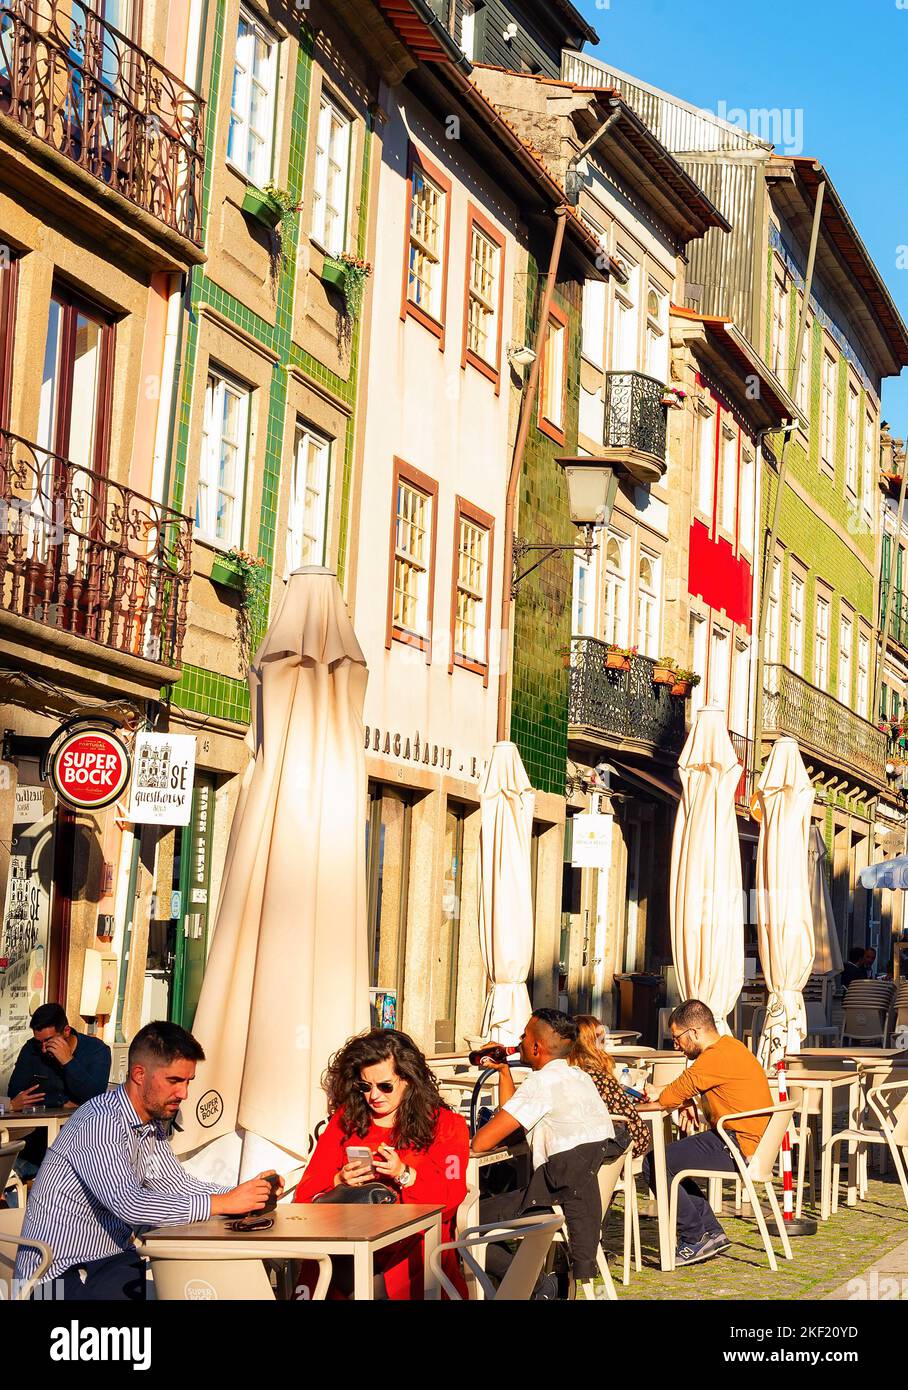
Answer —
(614, 661)
(223, 571)
(663, 675)
(681, 689)
(334, 273)
(264, 209)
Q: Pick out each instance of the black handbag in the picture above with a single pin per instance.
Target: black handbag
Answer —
(369, 1194)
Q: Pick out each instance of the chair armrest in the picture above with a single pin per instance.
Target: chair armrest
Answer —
(44, 1263)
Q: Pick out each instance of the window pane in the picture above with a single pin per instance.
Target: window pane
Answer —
(444, 974)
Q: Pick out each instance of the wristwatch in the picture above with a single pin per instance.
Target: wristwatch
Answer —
(407, 1178)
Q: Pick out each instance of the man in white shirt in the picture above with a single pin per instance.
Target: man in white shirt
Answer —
(571, 1135)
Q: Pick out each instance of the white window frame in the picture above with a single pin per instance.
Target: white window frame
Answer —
(780, 325)
(846, 656)
(851, 450)
(584, 594)
(656, 346)
(773, 643)
(868, 480)
(719, 663)
(796, 590)
(334, 134)
(706, 464)
(649, 604)
(474, 595)
(616, 611)
(551, 387)
(863, 691)
(828, 409)
(740, 683)
(804, 374)
(310, 499)
(699, 634)
(487, 303)
(432, 251)
(625, 346)
(729, 478)
(409, 562)
(218, 386)
(468, 30)
(255, 162)
(822, 611)
(747, 496)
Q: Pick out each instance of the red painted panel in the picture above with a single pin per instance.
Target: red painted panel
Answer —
(719, 577)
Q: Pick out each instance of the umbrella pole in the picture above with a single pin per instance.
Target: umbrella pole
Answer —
(800, 1226)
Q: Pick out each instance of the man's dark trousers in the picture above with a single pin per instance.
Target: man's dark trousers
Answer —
(696, 1217)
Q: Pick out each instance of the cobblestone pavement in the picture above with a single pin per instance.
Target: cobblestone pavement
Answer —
(842, 1248)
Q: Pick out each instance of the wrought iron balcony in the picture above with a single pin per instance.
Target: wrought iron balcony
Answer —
(635, 423)
(89, 556)
(822, 725)
(90, 93)
(744, 748)
(622, 706)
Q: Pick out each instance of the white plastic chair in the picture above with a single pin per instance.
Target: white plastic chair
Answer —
(11, 1242)
(889, 1125)
(182, 1276)
(759, 1168)
(535, 1234)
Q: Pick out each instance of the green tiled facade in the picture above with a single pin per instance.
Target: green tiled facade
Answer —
(542, 613)
(200, 690)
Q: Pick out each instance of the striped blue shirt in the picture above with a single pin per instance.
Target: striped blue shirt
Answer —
(106, 1175)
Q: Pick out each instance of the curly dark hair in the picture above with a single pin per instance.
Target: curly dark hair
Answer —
(417, 1118)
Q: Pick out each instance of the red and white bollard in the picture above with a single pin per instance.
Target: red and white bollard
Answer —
(799, 1226)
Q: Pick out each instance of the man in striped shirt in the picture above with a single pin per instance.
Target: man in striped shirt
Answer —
(111, 1171)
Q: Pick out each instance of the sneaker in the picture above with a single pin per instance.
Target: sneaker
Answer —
(693, 1254)
(718, 1243)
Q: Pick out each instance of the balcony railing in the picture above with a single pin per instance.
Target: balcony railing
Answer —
(93, 95)
(791, 705)
(744, 748)
(89, 556)
(623, 705)
(634, 414)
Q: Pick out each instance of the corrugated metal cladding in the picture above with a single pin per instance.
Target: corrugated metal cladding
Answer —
(723, 262)
(678, 126)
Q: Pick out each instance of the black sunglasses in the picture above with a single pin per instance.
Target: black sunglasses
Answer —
(251, 1223)
(364, 1087)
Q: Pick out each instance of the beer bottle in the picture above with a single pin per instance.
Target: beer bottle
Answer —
(494, 1052)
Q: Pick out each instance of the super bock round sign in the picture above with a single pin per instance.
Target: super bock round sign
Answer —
(90, 768)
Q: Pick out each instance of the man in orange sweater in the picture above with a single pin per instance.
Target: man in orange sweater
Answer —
(729, 1079)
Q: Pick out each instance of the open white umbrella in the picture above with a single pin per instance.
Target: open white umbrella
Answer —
(506, 894)
(785, 935)
(706, 896)
(287, 977)
(828, 957)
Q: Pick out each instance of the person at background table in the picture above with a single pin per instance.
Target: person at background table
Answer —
(111, 1171)
(728, 1078)
(58, 1068)
(571, 1135)
(856, 966)
(869, 962)
(590, 1056)
(383, 1096)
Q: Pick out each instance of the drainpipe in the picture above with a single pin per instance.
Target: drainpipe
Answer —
(887, 613)
(520, 443)
(770, 550)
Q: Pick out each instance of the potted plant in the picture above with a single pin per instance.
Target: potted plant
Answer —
(226, 572)
(684, 683)
(618, 658)
(246, 573)
(674, 397)
(349, 275)
(270, 205)
(665, 672)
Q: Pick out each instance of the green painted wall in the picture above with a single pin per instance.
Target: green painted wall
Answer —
(542, 614)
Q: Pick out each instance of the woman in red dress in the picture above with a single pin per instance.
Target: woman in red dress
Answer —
(382, 1096)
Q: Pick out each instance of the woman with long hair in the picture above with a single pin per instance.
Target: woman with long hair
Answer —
(590, 1056)
(382, 1096)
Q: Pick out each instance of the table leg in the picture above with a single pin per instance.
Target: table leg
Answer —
(854, 1107)
(363, 1277)
(826, 1173)
(431, 1242)
(665, 1250)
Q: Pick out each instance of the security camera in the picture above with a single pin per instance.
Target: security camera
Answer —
(602, 774)
(510, 33)
(521, 355)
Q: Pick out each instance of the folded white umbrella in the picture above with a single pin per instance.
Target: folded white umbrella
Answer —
(287, 979)
(706, 896)
(828, 958)
(506, 802)
(785, 934)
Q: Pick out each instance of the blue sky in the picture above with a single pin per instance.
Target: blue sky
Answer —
(842, 65)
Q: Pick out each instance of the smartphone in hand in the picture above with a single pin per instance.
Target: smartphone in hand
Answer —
(358, 1153)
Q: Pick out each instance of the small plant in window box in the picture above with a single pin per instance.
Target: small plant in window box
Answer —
(270, 205)
(684, 683)
(674, 397)
(249, 576)
(618, 658)
(348, 274)
(665, 671)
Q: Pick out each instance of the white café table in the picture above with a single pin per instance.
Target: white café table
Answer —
(23, 1122)
(309, 1231)
(817, 1092)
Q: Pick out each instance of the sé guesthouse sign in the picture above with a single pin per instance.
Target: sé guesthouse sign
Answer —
(89, 768)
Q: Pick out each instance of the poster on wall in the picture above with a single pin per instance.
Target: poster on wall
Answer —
(163, 772)
(24, 925)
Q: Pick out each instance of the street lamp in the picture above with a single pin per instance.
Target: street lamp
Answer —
(592, 488)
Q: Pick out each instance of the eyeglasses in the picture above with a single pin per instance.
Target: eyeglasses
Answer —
(364, 1087)
(678, 1036)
